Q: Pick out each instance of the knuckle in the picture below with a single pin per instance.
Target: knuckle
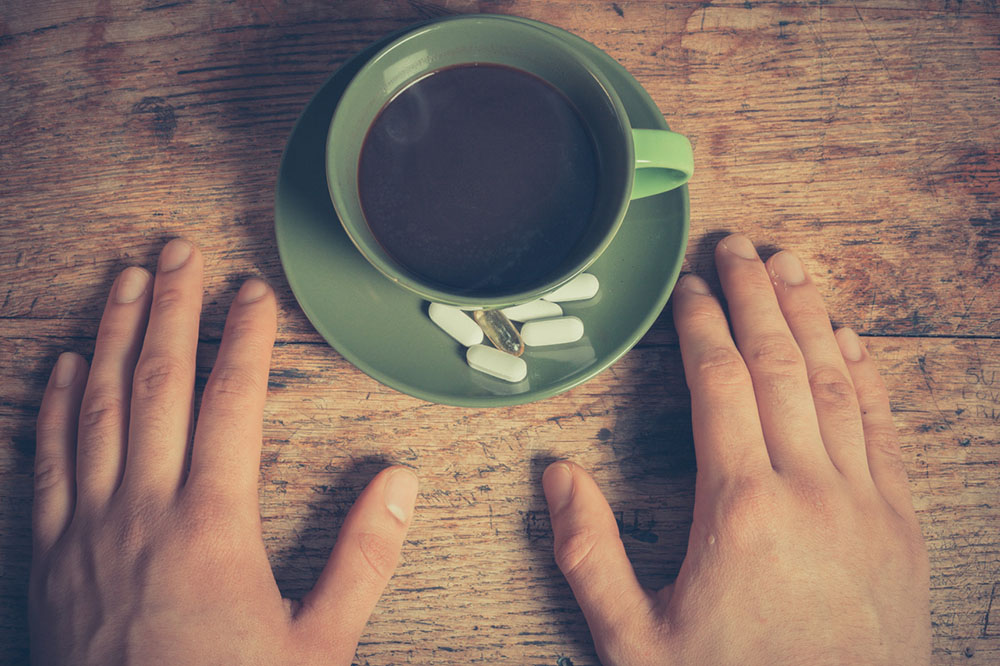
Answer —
(812, 310)
(702, 312)
(777, 352)
(244, 329)
(204, 516)
(50, 472)
(573, 552)
(378, 553)
(138, 520)
(747, 504)
(873, 394)
(822, 505)
(101, 412)
(883, 443)
(214, 522)
(749, 284)
(722, 366)
(155, 375)
(115, 335)
(169, 299)
(831, 388)
(50, 425)
(233, 380)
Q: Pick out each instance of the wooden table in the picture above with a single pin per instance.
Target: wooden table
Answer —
(863, 137)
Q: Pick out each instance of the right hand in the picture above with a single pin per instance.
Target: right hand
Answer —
(804, 548)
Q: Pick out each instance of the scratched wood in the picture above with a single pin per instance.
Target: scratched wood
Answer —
(861, 135)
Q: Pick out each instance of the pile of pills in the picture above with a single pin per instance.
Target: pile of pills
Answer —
(542, 324)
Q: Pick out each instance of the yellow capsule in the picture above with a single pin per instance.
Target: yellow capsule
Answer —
(500, 331)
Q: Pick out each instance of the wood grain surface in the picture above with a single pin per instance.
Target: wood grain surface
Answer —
(862, 135)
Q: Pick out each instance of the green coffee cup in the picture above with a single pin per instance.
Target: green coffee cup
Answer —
(634, 163)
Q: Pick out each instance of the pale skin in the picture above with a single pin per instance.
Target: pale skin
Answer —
(804, 548)
(147, 541)
(138, 560)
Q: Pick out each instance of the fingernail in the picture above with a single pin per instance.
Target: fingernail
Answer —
(175, 255)
(252, 290)
(741, 246)
(400, 493)
(65, 371)
(787, 266)
(850, 344)
(695, 284)
(557, 481)
(131, 285)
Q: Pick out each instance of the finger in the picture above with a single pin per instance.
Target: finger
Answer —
(590, 553)
(781, 385)
(227, 440)
(727, 432)
(833, 393)
(55, 450)
(885, 460)
(103, 432)
(163, 384)
(362, 561)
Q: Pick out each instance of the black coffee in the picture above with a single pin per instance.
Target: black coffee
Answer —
(479, 179)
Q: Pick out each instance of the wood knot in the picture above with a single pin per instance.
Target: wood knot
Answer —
(161, 117)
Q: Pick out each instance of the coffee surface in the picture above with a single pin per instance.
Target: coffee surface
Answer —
(479, 179)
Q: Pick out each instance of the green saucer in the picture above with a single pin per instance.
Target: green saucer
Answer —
(384, 330)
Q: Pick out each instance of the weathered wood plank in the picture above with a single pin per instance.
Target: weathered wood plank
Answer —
(478, 584)
(863, 135)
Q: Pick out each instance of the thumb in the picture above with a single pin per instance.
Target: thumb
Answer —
(363, 559)
(590, 553)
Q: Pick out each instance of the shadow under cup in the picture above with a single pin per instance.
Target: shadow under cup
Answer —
(483, 40)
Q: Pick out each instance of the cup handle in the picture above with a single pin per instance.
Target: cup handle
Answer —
(663, 161)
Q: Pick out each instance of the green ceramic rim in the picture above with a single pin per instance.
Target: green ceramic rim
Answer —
(670, 266)
(386, 74)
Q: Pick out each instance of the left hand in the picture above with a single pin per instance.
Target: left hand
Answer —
(147, 537)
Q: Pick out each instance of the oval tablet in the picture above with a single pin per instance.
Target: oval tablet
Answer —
(496, 363)
(539, 309)
(580, 288)
(455, 323)
(558, 331)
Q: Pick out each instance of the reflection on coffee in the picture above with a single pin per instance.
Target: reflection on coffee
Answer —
(479, 179)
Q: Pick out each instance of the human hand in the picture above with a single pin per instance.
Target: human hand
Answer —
(147, 538)
(804, 548)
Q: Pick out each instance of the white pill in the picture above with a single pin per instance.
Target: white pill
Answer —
(494, 362)
(580, 288)
(534, 310)
(558, 331)
(456, 323)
